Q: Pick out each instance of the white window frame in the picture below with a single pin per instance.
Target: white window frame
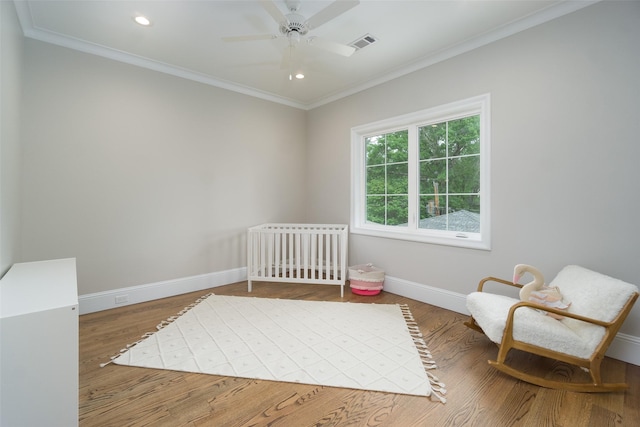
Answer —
(477, 105)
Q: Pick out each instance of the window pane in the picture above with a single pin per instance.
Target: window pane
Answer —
(464, 175)
(463, 214)
(397, 146)
(431, 206)
(375, 150)
(375, 180)
(464, 136)
(389, 175)
(397, 178)
(398, 213)
(433, 175)
(432, 139)
(469, 203)
(433, 213)
(376, 209)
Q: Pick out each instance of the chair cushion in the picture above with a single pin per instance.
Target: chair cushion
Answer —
(531, 326)
(593, 294)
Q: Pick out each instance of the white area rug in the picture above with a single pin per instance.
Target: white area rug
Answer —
(362, 346)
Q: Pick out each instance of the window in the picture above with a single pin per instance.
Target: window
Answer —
(425, 176)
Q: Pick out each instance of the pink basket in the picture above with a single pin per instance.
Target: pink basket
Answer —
(365, 279)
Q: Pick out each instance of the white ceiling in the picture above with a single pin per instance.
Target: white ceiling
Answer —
(185, 39)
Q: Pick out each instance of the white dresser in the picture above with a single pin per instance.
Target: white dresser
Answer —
(39, 345)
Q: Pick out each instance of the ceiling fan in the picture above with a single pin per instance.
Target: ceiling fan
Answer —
(296, 27)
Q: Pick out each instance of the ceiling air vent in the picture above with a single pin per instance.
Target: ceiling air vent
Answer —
(363, 41)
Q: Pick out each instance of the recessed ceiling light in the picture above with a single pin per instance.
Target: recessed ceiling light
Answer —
(142, 20)
(299, 76)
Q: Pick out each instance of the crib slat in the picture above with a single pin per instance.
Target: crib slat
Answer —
(334, 252)
(305, 256)
(314, 243)
(269, 238)
(263, 256)
(290, 252)
(327, 270)
(321, 239)
(276, 250)
(250, 271)
(297, 257)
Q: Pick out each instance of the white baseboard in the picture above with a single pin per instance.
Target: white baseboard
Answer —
(99, 301)
(624, 347)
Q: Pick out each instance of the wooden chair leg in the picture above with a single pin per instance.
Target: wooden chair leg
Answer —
(594, 371)
(471, 324)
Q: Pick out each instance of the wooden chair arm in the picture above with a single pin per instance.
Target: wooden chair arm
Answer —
(495, 279)
(555, 311)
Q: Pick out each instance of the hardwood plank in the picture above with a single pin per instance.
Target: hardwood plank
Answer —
(477, 394)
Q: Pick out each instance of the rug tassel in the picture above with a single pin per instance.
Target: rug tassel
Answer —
(172, 319)
(112, 358)
(438, 389)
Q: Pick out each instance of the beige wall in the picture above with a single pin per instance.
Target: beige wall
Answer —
(10, 159)
(565, 102)
(146, 177)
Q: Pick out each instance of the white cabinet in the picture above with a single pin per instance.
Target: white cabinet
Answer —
(39, 344)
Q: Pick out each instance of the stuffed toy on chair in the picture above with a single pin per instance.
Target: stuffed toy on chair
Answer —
(537, 292)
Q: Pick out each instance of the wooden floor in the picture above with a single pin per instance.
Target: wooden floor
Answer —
(477, 395)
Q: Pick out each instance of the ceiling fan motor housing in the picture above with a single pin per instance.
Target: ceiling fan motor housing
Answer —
(295, 22)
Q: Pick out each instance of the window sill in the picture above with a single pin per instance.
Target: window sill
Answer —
(447, 239)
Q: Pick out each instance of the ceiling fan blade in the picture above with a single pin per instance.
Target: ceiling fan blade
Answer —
(249, 38)
(335, 9)
(273, 10)
(340, 49)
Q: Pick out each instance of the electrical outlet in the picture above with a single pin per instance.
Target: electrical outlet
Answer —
(121, 299)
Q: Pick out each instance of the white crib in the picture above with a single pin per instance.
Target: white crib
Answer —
(300, 253)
